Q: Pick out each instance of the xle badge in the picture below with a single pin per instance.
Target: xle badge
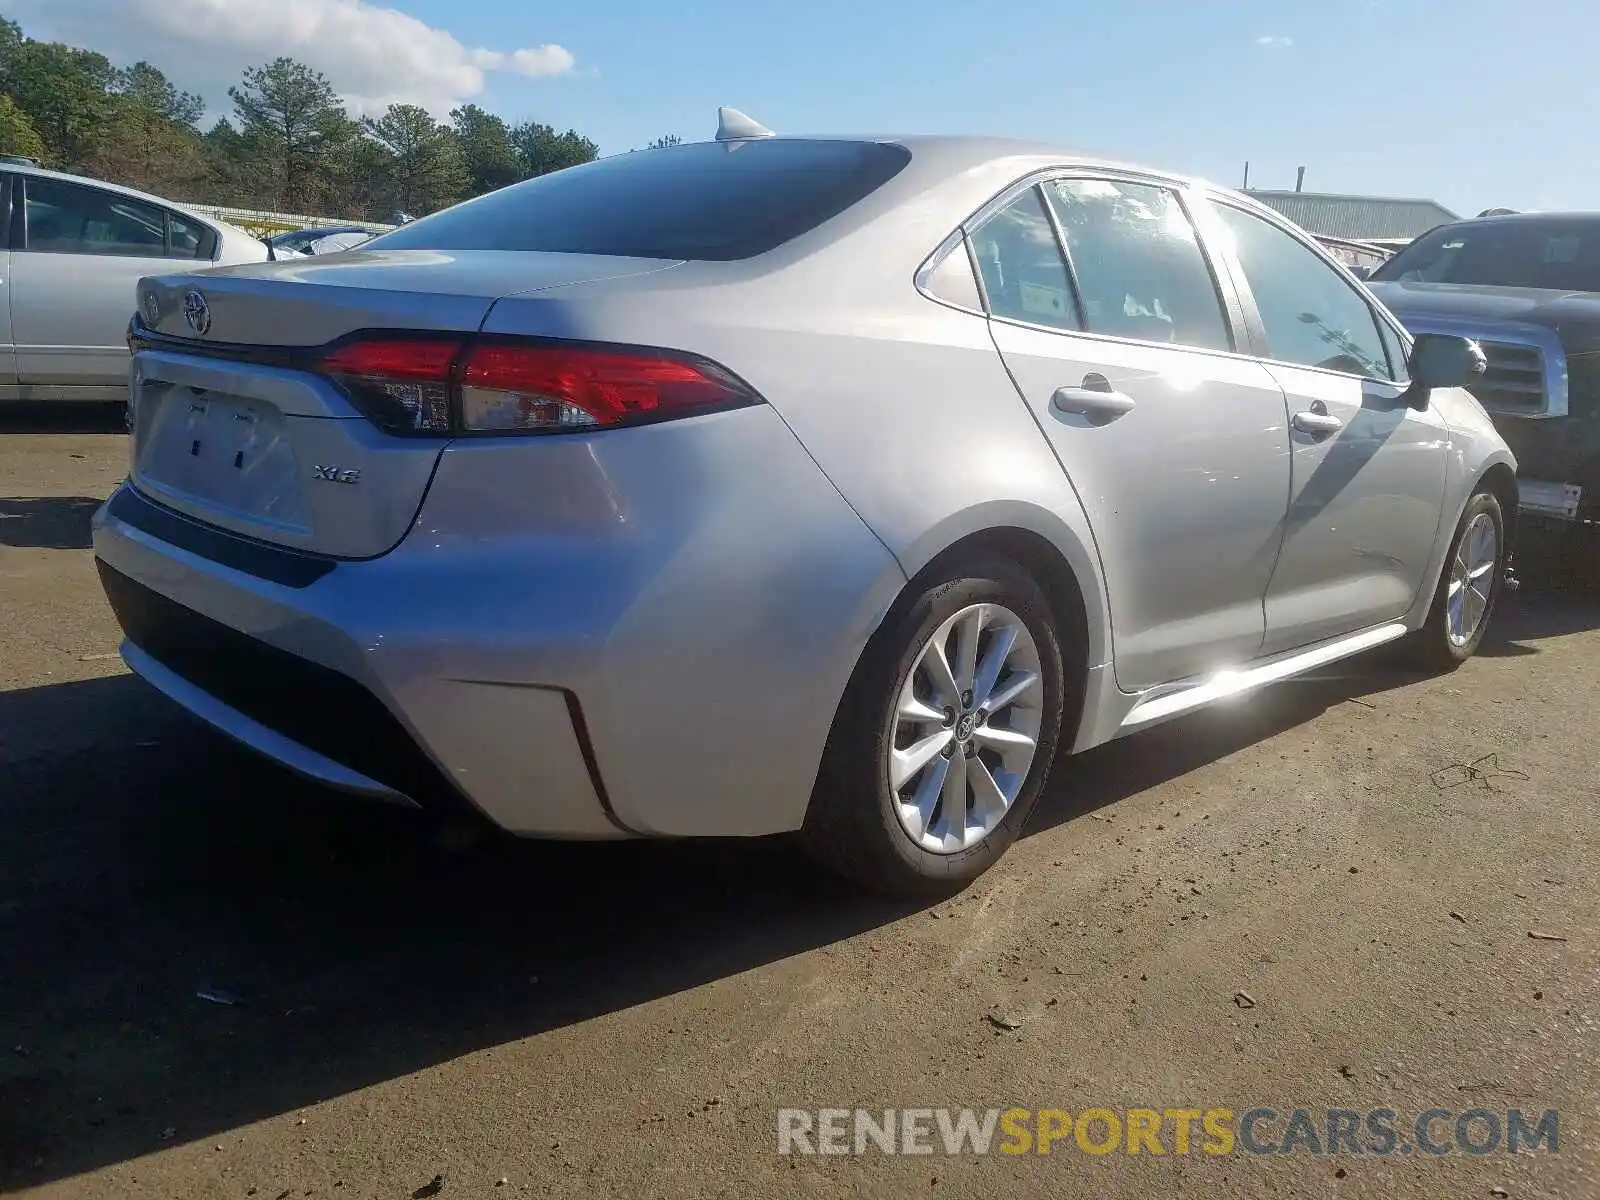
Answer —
(335, 474)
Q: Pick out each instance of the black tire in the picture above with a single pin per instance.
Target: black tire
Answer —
(1432, 646)
(851, 826)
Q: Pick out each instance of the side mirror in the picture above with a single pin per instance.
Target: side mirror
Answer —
(1442, 360)
(1361, 272)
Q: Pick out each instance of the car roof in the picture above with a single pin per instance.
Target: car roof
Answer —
(948, 155)
(1529, 218)
(955, 151)
(131, 193)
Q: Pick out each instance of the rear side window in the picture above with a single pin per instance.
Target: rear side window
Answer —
(1019, 260)
(188, 238)
(715, 201)
(1138, 263)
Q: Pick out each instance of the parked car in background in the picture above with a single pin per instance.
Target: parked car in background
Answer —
(1361, 257)
(776, 484)
(76, 250)
(327, 239)
(1526, 286)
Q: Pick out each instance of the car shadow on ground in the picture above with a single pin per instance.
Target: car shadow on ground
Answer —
(340, 944)
(47, 522)
(1555, 600)
(62, 416)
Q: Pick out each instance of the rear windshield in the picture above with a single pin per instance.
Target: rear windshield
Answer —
(1535, 254)
(716, 201)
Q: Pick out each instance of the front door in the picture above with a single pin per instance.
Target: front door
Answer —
(1176, 447)
(1369, 470)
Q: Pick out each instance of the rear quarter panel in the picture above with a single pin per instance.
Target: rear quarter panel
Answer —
(903, 402)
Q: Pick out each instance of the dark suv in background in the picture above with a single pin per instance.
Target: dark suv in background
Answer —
(1526, 287)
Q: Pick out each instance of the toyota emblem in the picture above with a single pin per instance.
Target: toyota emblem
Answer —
(197, 312)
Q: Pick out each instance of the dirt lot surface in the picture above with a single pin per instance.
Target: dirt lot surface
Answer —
(411, 1017)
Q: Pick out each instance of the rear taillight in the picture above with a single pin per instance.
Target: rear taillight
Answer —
(428, 386)
(510, 386)
(403, 385)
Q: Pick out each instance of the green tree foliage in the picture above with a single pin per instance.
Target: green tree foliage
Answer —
(291, 119)
(66, 92)
(17, 134)
(540, 149)
(289, 143)
(487, 151)
(424, 169)
(146, 88)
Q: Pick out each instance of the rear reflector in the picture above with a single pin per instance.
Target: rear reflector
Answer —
(440, 386)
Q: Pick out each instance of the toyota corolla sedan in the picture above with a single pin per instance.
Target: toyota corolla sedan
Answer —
(838, 486)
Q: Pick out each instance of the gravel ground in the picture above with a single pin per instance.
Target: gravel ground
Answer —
(413, 1016)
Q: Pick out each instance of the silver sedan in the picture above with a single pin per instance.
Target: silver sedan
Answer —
(841, 486)
(78, 248)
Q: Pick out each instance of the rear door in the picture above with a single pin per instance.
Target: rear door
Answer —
(1117, 333)
(80, 253)
(1368, 470)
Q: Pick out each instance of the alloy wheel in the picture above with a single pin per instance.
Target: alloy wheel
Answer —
(1471, 579)
(965, 728)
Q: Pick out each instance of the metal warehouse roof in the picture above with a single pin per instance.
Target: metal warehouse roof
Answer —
(1361, 218)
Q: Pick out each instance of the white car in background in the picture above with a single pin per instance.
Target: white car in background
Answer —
(77, 249)
(328, 239)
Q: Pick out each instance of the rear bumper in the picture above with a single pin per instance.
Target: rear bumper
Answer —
(643, 632)
(264, 739)
(326, 726)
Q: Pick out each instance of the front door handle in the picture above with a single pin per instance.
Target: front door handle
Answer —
(1318, 424)
(1095, 400)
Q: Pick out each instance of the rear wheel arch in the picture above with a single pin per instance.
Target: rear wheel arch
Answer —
(856, 828)
(1054, 574)
(1050, 568)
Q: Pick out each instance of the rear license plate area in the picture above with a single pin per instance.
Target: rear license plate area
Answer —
(214, 450)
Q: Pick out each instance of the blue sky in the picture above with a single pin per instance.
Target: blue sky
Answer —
(1473, 102)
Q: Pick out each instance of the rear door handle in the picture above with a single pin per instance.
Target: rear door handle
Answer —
(1098, 406)
(1318, 424)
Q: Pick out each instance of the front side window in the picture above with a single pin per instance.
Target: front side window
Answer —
(68, 218)
(1309, 313)
(1024, 276)
(1138, 263)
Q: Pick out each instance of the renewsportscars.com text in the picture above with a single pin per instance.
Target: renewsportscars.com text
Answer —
(1377, 1132)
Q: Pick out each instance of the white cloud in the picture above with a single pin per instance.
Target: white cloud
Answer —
(373, 55)
(1274, 40)
(540, 60)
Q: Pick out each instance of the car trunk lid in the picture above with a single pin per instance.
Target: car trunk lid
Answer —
(234, 426)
